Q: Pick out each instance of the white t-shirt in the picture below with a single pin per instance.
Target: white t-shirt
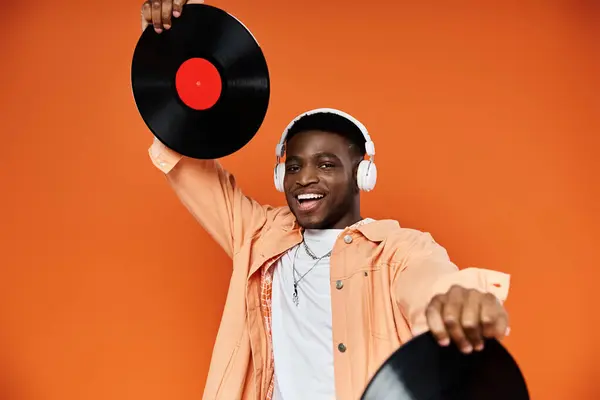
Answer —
(302, 335)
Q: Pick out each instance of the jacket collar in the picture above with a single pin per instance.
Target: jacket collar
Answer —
(378, 231)
(373, 230)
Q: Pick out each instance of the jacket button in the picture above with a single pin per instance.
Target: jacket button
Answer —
(342, 347)
(339, 285)
(348, 239)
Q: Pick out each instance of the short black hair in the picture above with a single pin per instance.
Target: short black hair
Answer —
(329, 122)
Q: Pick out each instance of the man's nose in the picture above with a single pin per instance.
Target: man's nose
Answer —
(308, 175)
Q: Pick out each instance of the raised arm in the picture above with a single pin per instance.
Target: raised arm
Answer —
(212, 196)
(208, 191)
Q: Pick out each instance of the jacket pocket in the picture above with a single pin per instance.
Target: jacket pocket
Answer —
(379, 312)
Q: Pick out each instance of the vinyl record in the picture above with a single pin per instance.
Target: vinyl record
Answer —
(202, 87)
(423, 370)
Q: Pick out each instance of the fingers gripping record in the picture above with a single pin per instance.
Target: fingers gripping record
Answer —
(466, 317)
(159, 13)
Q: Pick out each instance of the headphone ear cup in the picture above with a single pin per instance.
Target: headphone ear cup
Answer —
(279, 175)
(366, 175)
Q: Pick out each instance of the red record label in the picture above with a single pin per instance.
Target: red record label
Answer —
(198, 83)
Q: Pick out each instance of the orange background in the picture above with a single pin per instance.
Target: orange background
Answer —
(486, 121)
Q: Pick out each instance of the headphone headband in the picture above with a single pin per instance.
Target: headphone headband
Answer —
(369, 145)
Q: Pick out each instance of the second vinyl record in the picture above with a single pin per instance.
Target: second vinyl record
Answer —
(203, 86)
(421, 369)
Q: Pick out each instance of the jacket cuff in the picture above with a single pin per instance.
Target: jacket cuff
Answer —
(484, 280)
(162, 157)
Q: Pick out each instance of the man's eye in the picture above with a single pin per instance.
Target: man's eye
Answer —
(292, 168)
(327, 165)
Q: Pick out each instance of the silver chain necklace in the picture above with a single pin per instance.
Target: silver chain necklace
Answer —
(294, 272)
(311, 254)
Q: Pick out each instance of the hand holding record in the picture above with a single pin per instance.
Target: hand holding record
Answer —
(159, 13)
(199, 78)
(466, 317)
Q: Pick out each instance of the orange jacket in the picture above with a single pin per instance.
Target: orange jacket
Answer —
(382, 278)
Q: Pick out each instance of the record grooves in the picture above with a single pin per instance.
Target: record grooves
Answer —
(203, 86)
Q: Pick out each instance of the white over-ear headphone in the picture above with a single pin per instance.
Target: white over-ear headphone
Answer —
(366, 176)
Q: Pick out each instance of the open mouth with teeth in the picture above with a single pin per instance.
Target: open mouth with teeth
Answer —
(309, 201)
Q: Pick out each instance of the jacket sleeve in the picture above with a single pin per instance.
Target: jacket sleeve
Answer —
(212, 196)
(426, 270)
